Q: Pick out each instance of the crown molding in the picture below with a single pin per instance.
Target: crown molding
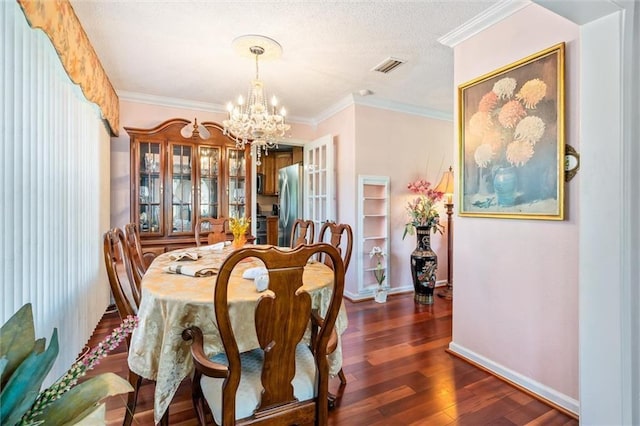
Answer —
(489, 17)
(404, 108)
(188, 104)
(343, 103)
(373, 102)
(169, 102)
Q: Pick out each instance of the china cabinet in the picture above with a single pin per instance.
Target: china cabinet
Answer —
(373, 230)
(182, 171)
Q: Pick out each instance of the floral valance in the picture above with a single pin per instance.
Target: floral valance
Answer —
(60, 23)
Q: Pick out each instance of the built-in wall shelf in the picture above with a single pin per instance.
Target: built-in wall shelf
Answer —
(373, 229)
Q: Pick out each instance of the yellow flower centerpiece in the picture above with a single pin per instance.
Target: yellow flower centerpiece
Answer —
(239, 228)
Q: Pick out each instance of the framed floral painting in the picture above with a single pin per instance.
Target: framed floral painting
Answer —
(512, 140)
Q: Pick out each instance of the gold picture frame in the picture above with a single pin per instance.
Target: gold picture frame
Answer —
(511, 140)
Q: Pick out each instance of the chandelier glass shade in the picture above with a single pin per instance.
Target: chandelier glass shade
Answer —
(254, 121)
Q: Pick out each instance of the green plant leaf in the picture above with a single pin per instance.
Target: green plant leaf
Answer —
(3, 364)
(24, 384)
(82, 399)
(17, 338)
(95, 417)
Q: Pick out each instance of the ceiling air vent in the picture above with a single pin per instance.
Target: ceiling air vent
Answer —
(388, 65)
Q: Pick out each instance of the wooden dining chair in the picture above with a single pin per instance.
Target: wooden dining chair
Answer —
(285, 381)
(302, 232)
(341, 237)
(125, 293)
(214, 228)
(139, 260)
(117, 259)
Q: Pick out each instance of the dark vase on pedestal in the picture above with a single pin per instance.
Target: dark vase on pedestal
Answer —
(424, 264)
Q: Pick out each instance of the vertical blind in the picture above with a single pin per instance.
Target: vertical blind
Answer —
(54, 192)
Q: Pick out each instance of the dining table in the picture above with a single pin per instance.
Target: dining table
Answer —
(172, 301)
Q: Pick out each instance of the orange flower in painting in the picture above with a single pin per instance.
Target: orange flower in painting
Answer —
(532, 92)
(488, 102)
(511, 113)
(479, 123)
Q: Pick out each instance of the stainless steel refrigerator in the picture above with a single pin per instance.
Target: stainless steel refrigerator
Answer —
(290, 195)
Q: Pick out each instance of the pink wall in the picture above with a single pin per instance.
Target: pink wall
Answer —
(404, 147)
(516, 281)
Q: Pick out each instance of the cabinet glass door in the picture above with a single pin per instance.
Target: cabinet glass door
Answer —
(181, 173)
(209, 181)
(236, 168)
(150, 184)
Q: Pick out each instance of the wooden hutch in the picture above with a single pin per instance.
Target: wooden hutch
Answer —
(182, 171)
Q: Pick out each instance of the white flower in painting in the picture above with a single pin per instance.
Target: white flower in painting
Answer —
(529, 129)
(504, 88)
(519, 153)
(483, 155)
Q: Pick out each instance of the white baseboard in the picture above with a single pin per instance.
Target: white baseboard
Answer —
(531, 385)
(368, 294)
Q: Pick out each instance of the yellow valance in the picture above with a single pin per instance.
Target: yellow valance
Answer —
(60, 23)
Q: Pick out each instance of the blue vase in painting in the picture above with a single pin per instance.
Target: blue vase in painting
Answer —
(504, 184)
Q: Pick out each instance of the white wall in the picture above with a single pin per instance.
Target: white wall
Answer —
(610, 281)
(516, 281)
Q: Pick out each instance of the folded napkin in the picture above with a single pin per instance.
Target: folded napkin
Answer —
(214, 247)
(262, 282)
(252, 273)
(260, 277)
(184, 255)
(191, 269)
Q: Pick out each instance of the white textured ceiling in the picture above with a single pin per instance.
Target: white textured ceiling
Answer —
(182, 50)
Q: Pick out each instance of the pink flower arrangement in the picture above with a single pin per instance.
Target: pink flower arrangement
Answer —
(421, 209)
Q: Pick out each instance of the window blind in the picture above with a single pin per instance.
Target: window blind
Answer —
(54, 192)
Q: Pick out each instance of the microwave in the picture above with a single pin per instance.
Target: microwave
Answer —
(260, 183)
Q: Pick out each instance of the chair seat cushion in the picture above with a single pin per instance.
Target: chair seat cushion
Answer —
(250, 387)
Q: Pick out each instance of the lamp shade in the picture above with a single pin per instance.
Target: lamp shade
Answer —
(446, 185)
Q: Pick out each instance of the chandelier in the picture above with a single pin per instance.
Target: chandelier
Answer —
(253, 121)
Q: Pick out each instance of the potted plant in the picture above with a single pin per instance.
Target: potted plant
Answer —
(381, 291)
(24, 364)
(423, 220)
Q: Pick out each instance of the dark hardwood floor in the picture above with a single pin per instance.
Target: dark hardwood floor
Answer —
(398, 374)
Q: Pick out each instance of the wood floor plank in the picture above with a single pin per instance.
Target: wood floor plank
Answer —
(397, 370)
